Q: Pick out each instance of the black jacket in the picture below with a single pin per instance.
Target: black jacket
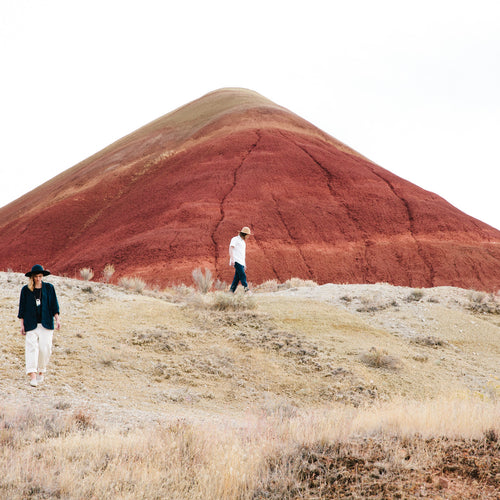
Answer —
(27, 307)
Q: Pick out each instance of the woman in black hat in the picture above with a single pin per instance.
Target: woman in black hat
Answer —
(38, 307)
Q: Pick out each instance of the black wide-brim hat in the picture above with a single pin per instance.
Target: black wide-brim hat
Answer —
(37, 269)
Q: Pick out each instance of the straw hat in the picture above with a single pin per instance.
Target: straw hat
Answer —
(245, 230)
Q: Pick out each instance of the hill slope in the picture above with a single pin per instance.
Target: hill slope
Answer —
(319, 392)
(307, 345)
(168, 198)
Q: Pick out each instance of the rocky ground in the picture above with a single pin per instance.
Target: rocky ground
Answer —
(454, 470)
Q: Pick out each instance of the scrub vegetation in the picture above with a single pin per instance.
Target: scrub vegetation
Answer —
(301, 391)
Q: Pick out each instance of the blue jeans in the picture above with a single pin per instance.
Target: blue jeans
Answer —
(239, 275)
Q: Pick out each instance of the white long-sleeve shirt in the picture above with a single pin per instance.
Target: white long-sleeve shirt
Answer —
(239, 249)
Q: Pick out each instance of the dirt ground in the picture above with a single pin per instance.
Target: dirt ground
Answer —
(135, 359)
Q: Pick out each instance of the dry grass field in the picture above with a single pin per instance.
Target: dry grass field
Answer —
(298, 391)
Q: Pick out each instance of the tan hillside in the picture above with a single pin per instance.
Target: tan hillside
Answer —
(343, 360)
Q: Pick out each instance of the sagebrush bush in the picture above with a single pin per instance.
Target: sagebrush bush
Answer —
(108, 272)
(125, 282)
(379, 358)
(346, 298)
(202, 281)
(415, 296)
(139, 285)
(430, 341)
(181, 291)
(220, 285)
(279, 407)
(231, 302)
(132, 283)
(83, 418)
(86, 273)
(268, 286)
(483, 302)
(297, 283)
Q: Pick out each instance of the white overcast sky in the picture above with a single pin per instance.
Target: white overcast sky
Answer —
(414, 86)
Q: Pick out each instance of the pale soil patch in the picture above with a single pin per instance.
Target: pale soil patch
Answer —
(444, 347)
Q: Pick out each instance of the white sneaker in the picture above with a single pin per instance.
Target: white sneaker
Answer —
(33, 382)
(40, 377)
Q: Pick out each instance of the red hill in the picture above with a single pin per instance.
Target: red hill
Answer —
(167, 199)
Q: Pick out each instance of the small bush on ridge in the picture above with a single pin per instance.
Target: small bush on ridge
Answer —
(220, 285)
(268, 286)
(379, 358)
(132, 283)
(231, 302)
(483, 302)
(86, 273)
(296, 283)
(202, 281)
(415, 296)
(108, 272)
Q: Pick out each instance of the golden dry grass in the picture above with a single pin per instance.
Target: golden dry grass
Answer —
(170, 395)
(58, 455)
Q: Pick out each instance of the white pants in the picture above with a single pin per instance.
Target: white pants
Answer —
(38, 349)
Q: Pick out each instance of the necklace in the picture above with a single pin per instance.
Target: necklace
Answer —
(38, 296)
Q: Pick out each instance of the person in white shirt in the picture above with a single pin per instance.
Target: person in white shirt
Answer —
(237, 250)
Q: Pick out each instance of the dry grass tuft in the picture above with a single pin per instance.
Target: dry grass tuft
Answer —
(222, 301)
(86, 273)
(379, 358)
(134, 284)
(268, 286)
(279, 408)
(181, 293)
(202, 281)
(108, 272)
(220, 286)
(372, 304)
(297, 283)
(395, 450)
(415, 296)
(430, 341)
(482, 302)
(83, 418)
